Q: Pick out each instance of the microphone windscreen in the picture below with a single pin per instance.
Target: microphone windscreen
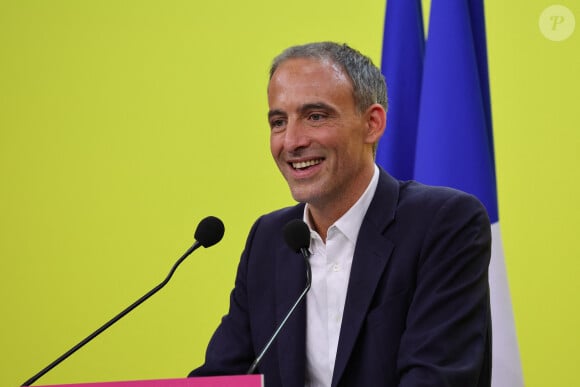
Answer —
(297, 235)
(209, 231)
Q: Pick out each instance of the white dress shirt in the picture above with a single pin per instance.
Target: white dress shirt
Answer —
(331, 263)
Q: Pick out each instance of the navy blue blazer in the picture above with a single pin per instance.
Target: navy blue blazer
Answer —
(417, 310)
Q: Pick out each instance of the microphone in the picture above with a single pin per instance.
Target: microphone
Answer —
(208, 232)
(297, 237)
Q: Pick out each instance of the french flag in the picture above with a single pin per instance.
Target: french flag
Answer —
(439, 130)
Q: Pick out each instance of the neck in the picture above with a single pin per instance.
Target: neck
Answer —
(324, 214)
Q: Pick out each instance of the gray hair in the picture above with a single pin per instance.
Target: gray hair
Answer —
(369, 85)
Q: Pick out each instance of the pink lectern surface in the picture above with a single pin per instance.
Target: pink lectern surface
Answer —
(210, 381)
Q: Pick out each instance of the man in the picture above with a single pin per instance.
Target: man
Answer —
(400, 294)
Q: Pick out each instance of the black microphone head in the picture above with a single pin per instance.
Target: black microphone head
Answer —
(209, 231)
(297, 235)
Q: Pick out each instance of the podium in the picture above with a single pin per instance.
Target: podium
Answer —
(205, 381)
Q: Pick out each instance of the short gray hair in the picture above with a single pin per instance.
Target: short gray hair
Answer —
(369, 85)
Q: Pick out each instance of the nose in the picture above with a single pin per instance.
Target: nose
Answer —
(296, 136)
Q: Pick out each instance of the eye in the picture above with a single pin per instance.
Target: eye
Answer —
(315, 117)
(277, 123)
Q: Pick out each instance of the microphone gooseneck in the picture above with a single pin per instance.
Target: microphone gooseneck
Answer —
(208, 232)
(297, 237)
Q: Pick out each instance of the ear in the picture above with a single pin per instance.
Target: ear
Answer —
(376, 118)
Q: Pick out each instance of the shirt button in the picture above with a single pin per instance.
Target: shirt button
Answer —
(336, 267)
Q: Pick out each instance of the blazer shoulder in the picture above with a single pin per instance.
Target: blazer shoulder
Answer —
(271, 224)
(426, 197)
(281, 216)
(414, 204)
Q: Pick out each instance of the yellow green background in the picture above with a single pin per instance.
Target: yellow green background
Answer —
(123, 123)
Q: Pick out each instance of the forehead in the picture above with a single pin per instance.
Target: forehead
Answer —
(308, 75)
(308, 65)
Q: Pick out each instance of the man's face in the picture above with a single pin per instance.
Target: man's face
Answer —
(318, 138)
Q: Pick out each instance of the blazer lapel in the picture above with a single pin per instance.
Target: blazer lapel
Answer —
(371, 255)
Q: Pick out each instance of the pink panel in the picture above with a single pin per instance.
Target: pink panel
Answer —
(210, 381)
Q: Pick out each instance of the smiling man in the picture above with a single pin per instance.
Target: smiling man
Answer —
(321, 142)
(399, 295)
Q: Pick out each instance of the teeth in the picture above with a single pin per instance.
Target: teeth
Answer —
(305, 164)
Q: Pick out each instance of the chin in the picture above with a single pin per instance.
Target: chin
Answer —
(304, 196)
(299, 195)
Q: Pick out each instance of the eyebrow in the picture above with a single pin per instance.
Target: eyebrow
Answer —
(304, 108)
(276, 112)
(316, 106)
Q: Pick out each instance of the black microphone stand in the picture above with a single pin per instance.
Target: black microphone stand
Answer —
(114, 319)
(306, 255)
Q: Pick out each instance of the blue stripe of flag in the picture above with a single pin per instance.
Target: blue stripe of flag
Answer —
(402, 65)
(439, 121)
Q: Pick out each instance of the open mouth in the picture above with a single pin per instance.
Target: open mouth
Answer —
(302, 165)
